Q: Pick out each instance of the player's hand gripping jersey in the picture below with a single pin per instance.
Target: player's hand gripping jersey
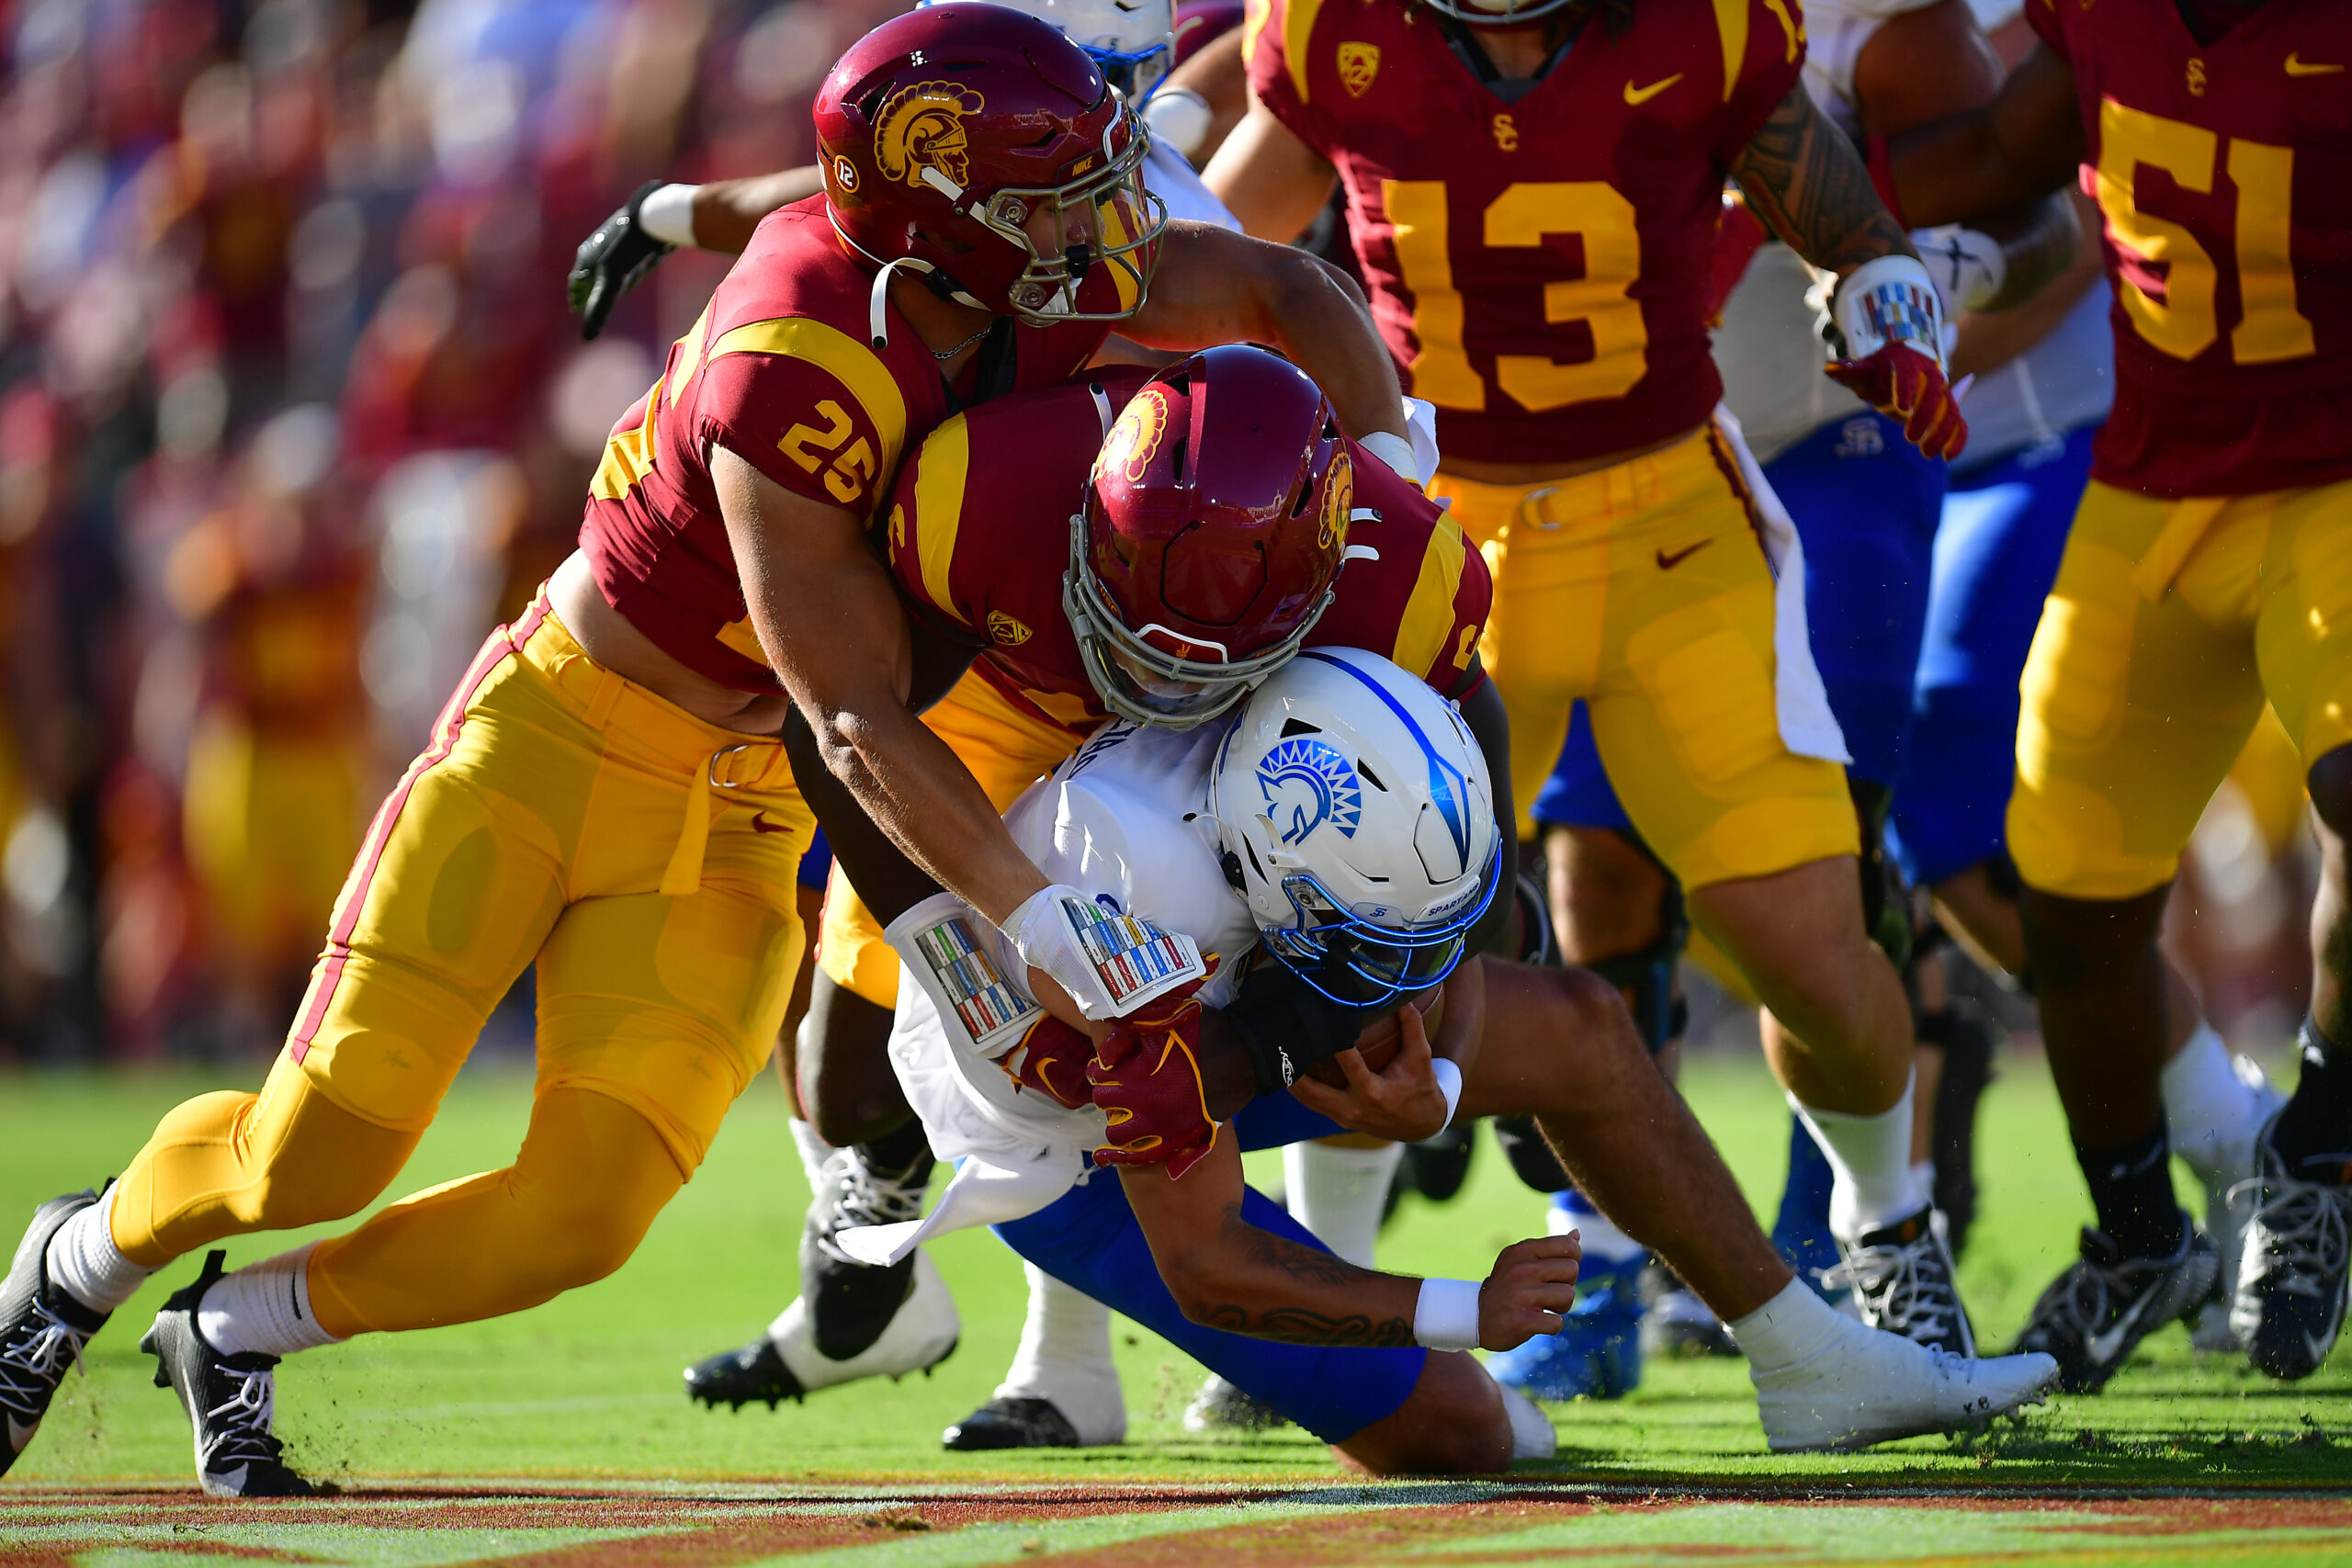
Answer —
(2224, 172)
(783, 370)
(1538, 261)
(979, 538)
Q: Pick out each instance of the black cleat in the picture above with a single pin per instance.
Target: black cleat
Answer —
(1222, 1407)
(2095, 1314)
(230, 1400)
(851, 1304)
(42, 1329)
(1012, 1424)
(2289, 1305)
(737, 1378)
(1902, 1278)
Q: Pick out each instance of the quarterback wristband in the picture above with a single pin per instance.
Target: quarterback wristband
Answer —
(1179, 116)
(1891, 299)
(1446, 1317)
(668, 214)
(1448, 1084)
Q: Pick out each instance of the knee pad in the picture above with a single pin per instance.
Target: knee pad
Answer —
(1886, 901)
(1539, 944)
(1644, 977)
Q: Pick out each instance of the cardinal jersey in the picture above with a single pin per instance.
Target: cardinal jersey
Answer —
(979, 537)
(1539, 264)
(2224, 174)
(783, 371)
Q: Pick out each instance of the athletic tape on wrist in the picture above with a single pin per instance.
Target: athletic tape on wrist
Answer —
(943, 944)
(668, 214)
(1396, 451)
(1448, 1084)
(1446, 1317)
(1890, 299)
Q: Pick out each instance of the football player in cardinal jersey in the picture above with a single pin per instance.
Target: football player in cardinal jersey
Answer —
(2201, 580)
(1227, 446)
(1343, 823)
(605, 796)
(1534, 191)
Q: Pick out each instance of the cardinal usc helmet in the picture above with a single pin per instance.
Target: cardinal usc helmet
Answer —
(1209, 535)
(1355, 816)
(985, 150)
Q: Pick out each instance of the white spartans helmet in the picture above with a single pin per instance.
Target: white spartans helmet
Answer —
(1134, 49)
(1355, 814)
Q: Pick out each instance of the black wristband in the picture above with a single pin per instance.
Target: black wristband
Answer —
(1286, 1026)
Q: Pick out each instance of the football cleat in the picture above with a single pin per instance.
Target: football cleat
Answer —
(42, 1329)
(1597, 1354)
(230, 1400)
(1220, 1406)
(2225, 1221)
(1012, 1423)
(919, 1336)
(2105, 1303)
(1866, 1386)
(849, 1304)
(1675, 1322)
(1902, 1278)
(748, 1376)
(2288, 1305)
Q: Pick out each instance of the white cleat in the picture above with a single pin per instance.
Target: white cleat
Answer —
(922, 1334)
(1532, 1435)
(2223, 1167)
(1863, 1385)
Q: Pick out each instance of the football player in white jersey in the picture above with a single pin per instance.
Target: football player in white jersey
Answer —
(1339, 830)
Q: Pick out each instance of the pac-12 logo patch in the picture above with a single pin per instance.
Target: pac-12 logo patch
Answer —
(921, 128)
(1007, 631)
(1134, 437)
(1307, 783)
(1358, 63)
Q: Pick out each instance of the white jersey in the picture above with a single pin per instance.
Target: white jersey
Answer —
(1768, 346)
(1120, 821)
(1168, 176)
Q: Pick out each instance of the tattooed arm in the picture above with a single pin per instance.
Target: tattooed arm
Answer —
(1804, 179)
(1228, 1274)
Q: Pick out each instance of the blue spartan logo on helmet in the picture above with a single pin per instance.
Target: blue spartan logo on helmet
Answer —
(1307, 783)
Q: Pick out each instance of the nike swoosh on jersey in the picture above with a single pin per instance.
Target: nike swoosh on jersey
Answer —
(1643, 95)
(2104, 1347)
(760, 824)
(1668, 562)
(2295, 67)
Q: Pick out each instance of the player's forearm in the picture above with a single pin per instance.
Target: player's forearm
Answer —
(1234, 1277)
(2038, 243)
(1989, 339)
(1272, 182)
(1806, 180)
(727, 211)
(1316, 317)
(2019, 148)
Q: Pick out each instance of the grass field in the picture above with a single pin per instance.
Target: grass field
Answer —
(562, 1434)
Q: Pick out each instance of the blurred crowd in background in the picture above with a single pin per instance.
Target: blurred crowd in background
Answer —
(291, 414)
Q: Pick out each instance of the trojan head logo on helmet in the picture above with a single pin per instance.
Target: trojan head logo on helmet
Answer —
(1355, 815)
(981, 148)
(921, 128)
(1203, 550)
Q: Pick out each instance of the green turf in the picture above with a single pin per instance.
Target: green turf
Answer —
(588, 1385)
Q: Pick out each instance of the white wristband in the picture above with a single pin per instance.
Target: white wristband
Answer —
(1969, 265)
(1889, 300)
(1446, 1317)
(1448, 1084)
(668, 214)
(1180, 117)
(1393, 450)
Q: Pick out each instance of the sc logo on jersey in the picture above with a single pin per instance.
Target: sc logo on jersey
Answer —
(921, 128)
(1306, 783)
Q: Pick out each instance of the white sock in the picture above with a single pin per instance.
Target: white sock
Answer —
(1601, 1239)
(264, 1308)
(1793, 1327)
(84, 1263)
(1338, 1194)
(813, 1150)
(1923, 1176)
(2212, 1115)
(1870, 1165)
(1065, 1356)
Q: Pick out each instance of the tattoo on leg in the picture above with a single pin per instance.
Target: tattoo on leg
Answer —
(1806, 180)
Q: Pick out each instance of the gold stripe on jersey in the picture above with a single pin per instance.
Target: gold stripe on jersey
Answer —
(844, 358)
(1428, 620)
(1731, 25)
(1298, 35)
(945, 462)
(629, 455)
(744, 638)
(690, 356)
